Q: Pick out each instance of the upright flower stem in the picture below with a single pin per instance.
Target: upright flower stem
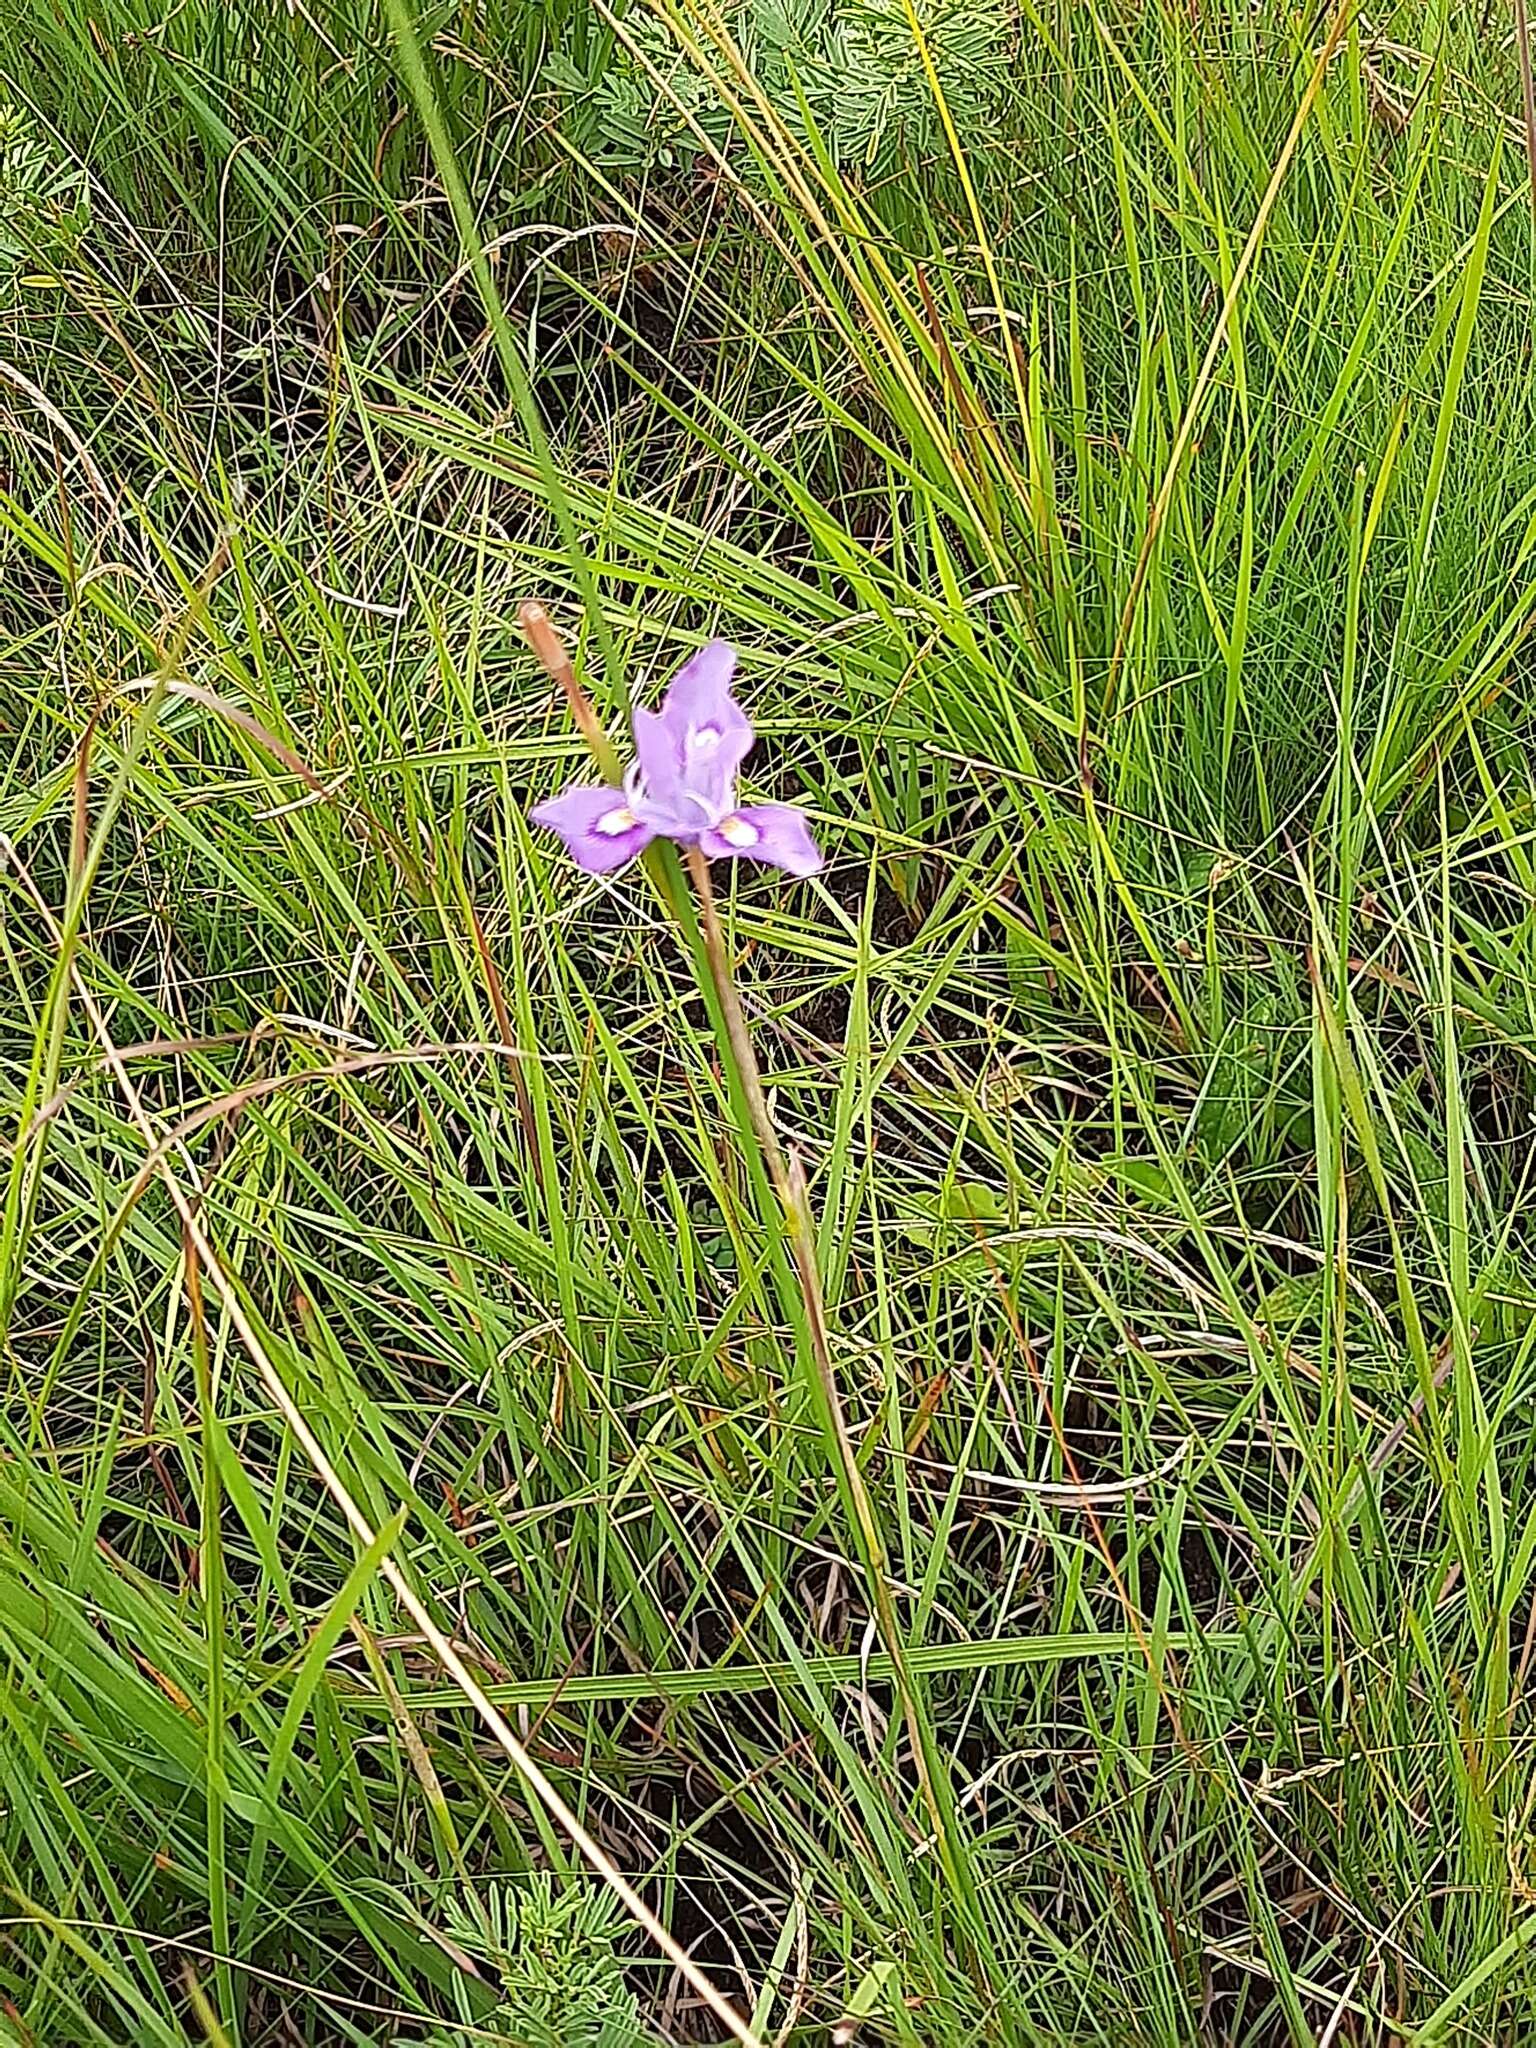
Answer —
(785, 1212)
(738, 1037)
(784, 1171)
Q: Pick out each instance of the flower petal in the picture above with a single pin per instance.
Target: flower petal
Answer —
(692, 748)
(600, 831)
(659, 756)
(776, 833)
(702, 686)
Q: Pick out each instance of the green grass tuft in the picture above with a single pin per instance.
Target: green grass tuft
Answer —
(1123, 496)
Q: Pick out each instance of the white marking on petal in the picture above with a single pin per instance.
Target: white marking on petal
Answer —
(705, 738)
(739, 832)
(612, 823)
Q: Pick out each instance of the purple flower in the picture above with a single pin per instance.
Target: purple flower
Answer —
(683, 785)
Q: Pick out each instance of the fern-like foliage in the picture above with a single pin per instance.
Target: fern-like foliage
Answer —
(852, 70)
(551, 1951)
(44, 209)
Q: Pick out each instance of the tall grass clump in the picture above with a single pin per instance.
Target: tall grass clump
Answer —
(1022, 1532)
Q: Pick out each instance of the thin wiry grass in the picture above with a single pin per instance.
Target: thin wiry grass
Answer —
(1161, 1058)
